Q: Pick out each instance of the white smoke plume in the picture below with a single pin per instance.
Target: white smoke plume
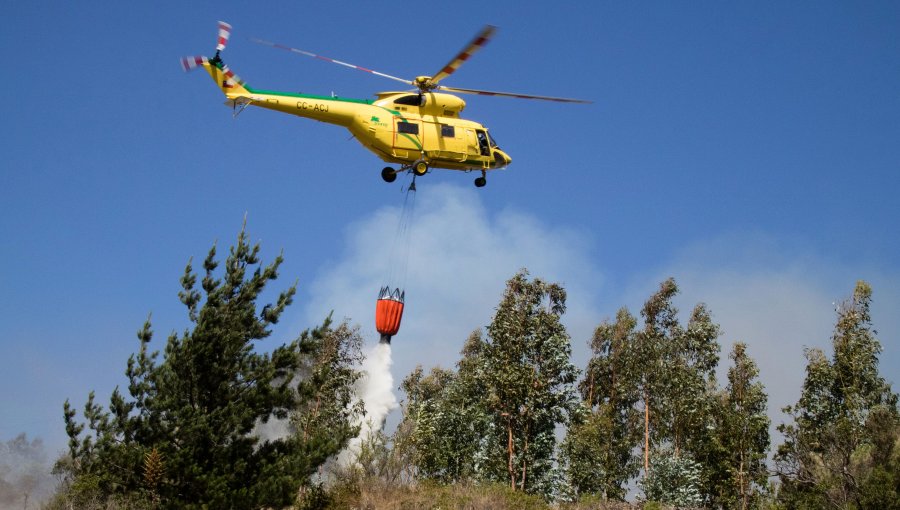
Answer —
(25, 477)
(275, 429)
(376, 389)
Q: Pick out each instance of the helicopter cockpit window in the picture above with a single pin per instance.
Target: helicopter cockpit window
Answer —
(413, 100)
(483, 143)
(491, 140)
(408, 127)
(447, 131)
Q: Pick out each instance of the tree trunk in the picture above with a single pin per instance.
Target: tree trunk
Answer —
(524, 461)
(741, 483)
(646, 435)
(591, 391)
(509, 446)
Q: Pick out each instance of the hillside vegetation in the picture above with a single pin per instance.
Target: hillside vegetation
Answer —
(514, 424)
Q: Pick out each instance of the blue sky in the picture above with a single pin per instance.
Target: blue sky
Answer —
(750, 150)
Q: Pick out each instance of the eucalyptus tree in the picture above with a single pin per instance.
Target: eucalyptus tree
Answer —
(675, 373)
(444, 418)
(845, 425)
(528, 379)
(743, 433)
(652, 344)
(599, 450)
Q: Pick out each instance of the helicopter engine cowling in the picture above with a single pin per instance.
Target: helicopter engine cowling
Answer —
(428, 103)
(443, 104)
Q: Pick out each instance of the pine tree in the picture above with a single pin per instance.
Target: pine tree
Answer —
(190, 423)
(845, 423)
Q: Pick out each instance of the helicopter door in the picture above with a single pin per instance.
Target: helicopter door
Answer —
(407, 138)
(472, 144)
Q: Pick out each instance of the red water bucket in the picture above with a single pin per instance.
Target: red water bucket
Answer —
(388, 313)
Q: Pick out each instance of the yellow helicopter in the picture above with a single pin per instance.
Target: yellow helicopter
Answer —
(418, 130)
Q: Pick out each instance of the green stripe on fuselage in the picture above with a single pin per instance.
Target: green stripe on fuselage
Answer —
(309, 96)
(322, 98)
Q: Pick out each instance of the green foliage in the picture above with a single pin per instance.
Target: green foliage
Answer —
(742, 427)
(675, 376)
(881, 489)
(315, 497)
(655, 387)
(494, 418)
(655, 348)
(447, 417)
(529, 382)
(845, 424)
(673, 479)
(599, 451)
(188, 437)
(326, 410)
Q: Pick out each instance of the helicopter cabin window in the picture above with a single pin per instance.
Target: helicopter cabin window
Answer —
(447, 131)
(413, 100)
(408, 127)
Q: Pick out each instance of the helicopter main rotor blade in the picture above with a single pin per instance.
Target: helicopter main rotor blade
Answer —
(320, 57)
(510, 94)
(480, 40)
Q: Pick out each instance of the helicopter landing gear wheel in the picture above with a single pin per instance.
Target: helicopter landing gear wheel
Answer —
(388, 174)
(481, 181)
(420, 167)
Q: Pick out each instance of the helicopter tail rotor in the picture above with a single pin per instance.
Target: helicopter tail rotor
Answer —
(191, 63)
(224, 34)
(230, 84)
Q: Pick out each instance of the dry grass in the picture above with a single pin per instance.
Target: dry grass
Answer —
(429, 496)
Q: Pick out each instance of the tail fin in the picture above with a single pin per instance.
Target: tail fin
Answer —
(230, 84)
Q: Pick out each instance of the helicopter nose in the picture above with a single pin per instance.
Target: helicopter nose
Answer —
(501, 158)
